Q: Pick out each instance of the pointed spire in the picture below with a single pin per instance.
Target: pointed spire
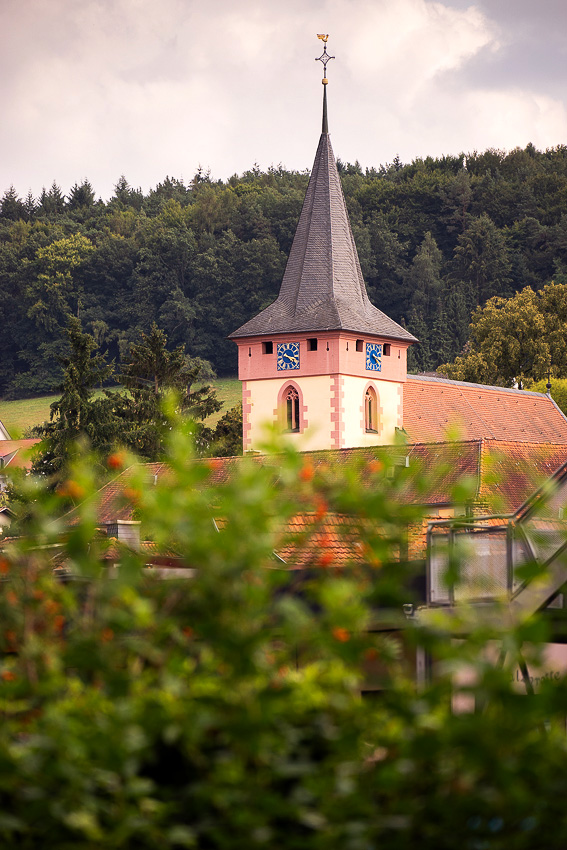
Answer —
(325, 128)
(323, 288)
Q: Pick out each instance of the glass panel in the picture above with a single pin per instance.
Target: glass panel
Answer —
(483, 559)
(520, 555)
(438, 566)
(546, 536)
(292, 409)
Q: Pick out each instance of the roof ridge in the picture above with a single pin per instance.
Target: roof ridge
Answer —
(454, 383)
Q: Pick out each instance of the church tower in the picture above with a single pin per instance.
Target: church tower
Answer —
(321, 362)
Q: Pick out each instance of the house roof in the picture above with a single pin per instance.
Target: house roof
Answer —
(323, 288)
(117, 498)
(14, 453)
(434, 405)
(511, 471)
(503, 473)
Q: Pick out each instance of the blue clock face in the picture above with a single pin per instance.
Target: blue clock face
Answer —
(374, 356)
(288, 356)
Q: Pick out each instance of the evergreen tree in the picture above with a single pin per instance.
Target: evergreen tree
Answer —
(11, 205)
(52, 202)
(81, 196)
(419, 355)
(152, 373)
(30, 206)
(457, 199)
(77, 413)
(481, 260)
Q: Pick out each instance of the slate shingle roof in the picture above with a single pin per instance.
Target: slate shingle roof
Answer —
(323, 288)
(432, 405)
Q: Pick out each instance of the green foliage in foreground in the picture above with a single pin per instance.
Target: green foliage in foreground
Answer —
(224, 711)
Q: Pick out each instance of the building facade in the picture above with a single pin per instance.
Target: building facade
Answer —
(321, 363)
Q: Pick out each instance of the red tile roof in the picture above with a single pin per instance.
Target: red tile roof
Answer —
(505, 472)
(512, 471)
(117, 498)
(20, 450)
(328, 542)
(434, 405)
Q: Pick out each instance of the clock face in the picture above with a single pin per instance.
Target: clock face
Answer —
(374, 356)
(288, 356)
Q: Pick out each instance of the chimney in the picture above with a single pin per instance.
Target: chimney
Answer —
(127, 531)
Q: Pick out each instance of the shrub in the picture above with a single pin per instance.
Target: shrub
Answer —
(225, 710)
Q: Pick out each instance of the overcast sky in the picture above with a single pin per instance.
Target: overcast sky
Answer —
(148, 88)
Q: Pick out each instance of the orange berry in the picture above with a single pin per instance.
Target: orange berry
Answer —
(341, 634)
(132, 494)
(75, 490)
(116, 460)
(321, 509)
(4, 566)
(8, 675)
(58, 623)
(107, 635)
(11, 598)
(188, 632)
(375, 465)
(306, 472)
(326, 559)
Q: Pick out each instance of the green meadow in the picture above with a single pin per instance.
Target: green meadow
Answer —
(17, 416)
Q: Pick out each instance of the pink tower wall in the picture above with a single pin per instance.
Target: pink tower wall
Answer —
(340, 358)
(336, 357)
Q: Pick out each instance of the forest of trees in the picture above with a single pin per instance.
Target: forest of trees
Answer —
(436, 239)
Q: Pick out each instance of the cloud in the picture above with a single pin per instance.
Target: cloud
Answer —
(100, 88)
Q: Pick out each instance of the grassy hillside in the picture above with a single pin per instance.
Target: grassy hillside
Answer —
(19, 415)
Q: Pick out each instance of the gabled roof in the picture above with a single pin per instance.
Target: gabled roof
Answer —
(506, 470)
(14, 453)
(323, 288)
(433, 405)
(511, 471)
(116, 500)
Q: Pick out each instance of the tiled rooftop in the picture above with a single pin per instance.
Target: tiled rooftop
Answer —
(503, 475)
(432, 406)
(21, 448)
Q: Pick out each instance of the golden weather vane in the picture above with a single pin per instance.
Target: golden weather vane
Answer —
(324, 57)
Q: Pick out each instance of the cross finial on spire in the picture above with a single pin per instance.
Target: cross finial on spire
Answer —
(324, 58)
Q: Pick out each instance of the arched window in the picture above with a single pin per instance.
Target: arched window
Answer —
(371, 411)
(290, 414)
(291, 398)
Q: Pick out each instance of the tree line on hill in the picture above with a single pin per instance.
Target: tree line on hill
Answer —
(436, 238)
